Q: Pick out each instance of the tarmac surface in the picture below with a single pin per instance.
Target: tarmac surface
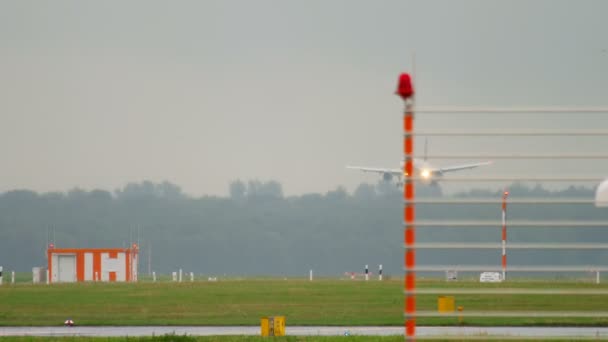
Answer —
(509, 332)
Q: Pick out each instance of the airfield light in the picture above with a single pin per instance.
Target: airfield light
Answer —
(405, 89)
(426, 173)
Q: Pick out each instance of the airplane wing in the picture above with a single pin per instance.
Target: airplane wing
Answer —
(442, 170)
(394, 172)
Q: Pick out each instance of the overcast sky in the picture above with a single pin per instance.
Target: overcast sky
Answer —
(96, 94)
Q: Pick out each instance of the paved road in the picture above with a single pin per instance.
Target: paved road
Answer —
(206, 331)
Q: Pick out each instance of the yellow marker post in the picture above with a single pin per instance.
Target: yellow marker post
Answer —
(279, 325)
(264, 325)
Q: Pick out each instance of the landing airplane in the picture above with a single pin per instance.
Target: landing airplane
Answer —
(428, 173)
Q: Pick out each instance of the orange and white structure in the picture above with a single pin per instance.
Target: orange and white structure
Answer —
(504, 235)
(92, 264)
(405, 90)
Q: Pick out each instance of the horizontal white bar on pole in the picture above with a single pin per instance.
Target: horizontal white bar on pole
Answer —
(511, 224)
(516, 156)
(499, 201)
(491, 245)
(515, 179)
(507, 133)
(510, 291)
(482, 313)
(487, 268)
(524, 110)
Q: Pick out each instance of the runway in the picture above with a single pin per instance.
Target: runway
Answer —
(508, 332)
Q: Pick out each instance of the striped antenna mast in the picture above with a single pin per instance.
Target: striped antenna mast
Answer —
(409, 220)
(504, 234)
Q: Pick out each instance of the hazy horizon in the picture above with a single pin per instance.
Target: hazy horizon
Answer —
(201, 93)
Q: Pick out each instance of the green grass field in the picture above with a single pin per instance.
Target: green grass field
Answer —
(173, 338)
(243, 302)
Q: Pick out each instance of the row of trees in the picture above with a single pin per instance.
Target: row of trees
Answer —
(258, 230)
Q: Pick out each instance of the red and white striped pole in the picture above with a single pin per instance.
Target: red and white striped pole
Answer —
(406, 91)
(504, 235)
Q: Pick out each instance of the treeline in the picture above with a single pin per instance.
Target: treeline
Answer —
(257, 230)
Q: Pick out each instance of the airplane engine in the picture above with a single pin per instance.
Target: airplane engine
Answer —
(432, 179)
(387, 177)
(426, 176)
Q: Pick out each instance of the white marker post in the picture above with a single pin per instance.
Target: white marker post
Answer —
(174, 276)
(36, 275)
(191, 276)
(366, 273)
(380, 272)
(12, 277)
(180, 275)
(0, 275)
(154, 277)
(48, 277)
(310, 275)
(597, 277)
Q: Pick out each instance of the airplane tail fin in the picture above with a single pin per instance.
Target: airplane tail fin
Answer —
(425, 148)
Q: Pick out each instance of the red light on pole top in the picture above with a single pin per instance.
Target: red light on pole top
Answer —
(405, 88)
(51, 245)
